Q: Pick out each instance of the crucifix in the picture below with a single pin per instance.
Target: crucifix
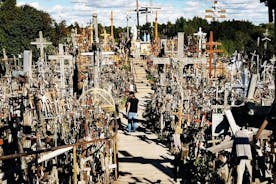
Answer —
(266, 39)
(200, 35)
(212, 51)
(61, 57)
(180, 116)
(41, 43)
(105, 39)
(5, 58)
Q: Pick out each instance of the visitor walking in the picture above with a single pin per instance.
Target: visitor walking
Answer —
(132, 109)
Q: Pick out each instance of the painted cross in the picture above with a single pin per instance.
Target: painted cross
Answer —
(256, 63)
(266, 39)
(200, 35)
(212, 51)
(272, 60)
(180, 116)
(105, 40)
(61, 57)
(5, 60)
(41, 43)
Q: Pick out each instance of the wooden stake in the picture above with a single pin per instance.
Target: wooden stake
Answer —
(75, 164)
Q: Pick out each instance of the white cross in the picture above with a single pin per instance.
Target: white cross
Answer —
(5, 55)
(61, 57)
(266, 39)
(6, 59)
(253, 56)
(273, 59)
(41, 43)
(200, 35)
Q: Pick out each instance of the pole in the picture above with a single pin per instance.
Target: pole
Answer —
(137, 12)
(127, 17)
(115, 157)
(156, 27)
(75, 164)
(112, 29)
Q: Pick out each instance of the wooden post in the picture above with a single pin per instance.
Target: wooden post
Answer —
(115, 157)
(75, 164)
(111, 27)
(156, 28)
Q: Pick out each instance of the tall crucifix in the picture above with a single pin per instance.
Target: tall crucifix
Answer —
(201, 36)
(41, 43)
(266, 39)
(8, 62)
(61, 57)
(212, 51)
(105, 40)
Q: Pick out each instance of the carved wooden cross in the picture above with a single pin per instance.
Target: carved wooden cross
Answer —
(5, 60)
(105, 39)
(180, 117)
(41, 43)
(200, 35)
(61, 57)
(211, 51)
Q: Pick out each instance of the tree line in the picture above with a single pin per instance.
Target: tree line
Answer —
(20, 25)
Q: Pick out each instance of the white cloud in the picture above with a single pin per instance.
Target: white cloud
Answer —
(82, 10)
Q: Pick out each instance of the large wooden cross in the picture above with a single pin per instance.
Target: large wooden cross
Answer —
(61, 57)
(6, 60)
(211, 51)
(105, 40)
(200, 35)
(41, 43)
(180, 116)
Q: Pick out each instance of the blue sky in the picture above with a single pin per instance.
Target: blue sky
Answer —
(81, 10)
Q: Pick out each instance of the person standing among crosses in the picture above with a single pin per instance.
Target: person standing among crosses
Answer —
(132, 109)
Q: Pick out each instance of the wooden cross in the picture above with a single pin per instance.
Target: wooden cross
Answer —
(5, 60)
(61, 57)
(266, 39)
(91, 34)
(211, 51)
(273, 59)
(41, 43)
(180, 117)
(200, 35)
(105, 38)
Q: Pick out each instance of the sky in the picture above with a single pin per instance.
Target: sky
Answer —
(81, 10)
